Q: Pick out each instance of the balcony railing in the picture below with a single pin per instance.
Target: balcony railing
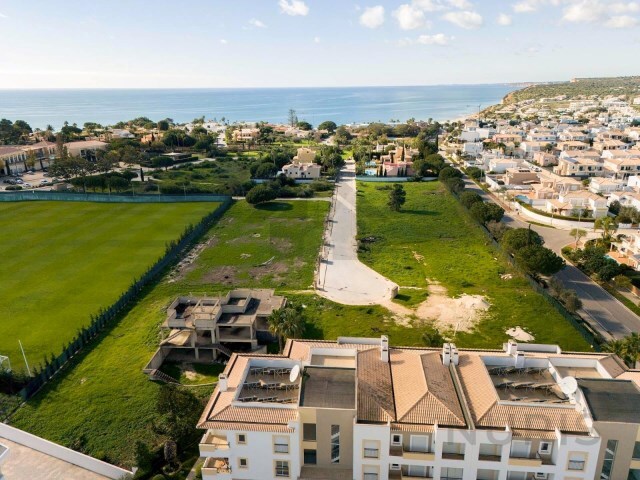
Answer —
(489, 458)
(371, 453)
(213, 443)
(215, 466)
(453, 456)
(370, 476)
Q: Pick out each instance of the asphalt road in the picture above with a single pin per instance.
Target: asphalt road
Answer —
(605, 313)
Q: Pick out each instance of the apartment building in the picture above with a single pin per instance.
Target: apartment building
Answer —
(85, 149)
(246, 134)
(579, 167)
(360, 409)
(622, 167)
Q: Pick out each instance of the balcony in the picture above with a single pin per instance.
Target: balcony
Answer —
(453, 456)
(371, 453)
(399, 451)
(529, 461)
(398, 475)
(216, 469)
(213, 443)
(489, 458)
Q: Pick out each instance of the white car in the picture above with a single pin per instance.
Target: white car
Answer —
(44, 181)
(26, 185)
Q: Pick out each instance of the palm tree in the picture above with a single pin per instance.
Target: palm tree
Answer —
(628, 349)
(286, 322)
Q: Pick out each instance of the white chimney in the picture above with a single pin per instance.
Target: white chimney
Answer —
(446, 354)
(384, 348)
(222, 382)
(454, 354)
(512, 347)
(520, 360)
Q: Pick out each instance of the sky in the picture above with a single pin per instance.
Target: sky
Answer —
(307, 43)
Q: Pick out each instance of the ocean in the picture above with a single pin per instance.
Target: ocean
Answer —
(343, 105)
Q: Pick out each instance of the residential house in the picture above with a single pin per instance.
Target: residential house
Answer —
(580, 203)
(469, 135)
(507, 138)
(303, 166)
(545, 159)
(604, 145)
(360, 409)
(572, 146)
(85, 148)
(472, 148)
(573, 136)
(247, 135)
(541, 135)
(605, 186)
(578, 167)
(622, 167)
(486, 132)
(530, 147)
(501, 164)
(520, 176)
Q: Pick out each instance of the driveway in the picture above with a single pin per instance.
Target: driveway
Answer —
(341, 276)
(604, 312)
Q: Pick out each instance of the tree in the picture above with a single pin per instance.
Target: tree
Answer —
(538, 260)
(293, 117)
(577, 234)
(163, 125)
(286, 322)
(497, 229)
(161, 162)
(449, 172)
(328, 125)
(518, 238)
(397, 197)
(628, 349)
(608, 227)
(474, 172)
(178, 410)
(306, 126)
(342, 135)
(261, 194)
(468, 198)
(454, 184)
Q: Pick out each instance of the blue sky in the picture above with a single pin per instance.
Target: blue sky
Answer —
(284, 43)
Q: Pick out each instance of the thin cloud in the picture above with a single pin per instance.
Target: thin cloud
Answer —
(409, 17)
(438, 39)
(257, 23)
(223, 41)
(464, 19)
(2, 15)
(621, 21)
(372, 17)
(504, 20)
(293, 7)
(316, 39)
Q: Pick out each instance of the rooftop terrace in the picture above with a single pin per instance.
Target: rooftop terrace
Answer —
(531, 385)
(329, 388)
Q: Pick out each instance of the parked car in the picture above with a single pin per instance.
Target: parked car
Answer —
(18, 181)
(26, 185)
(44, 181)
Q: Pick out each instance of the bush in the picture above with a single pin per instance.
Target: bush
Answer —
(13, 187)
(474, 172)
(261, 194)
(449, 172)
(486, 212)
(518, 238)
(468, 198)
(454, 184)
(536, 259)
(497, 229)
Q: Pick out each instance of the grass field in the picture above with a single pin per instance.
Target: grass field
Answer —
(62, 261)
(432, 224)
(105, 402)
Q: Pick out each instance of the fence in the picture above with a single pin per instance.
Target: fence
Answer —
(58, 451)
(581, 325)
(86, 335)
(31, 195)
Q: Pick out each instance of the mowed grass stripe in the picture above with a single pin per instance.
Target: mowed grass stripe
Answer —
(63, 261)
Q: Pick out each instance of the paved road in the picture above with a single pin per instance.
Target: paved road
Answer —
(606, 313)
(342, 277)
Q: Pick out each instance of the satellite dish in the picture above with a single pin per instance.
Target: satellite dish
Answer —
(569, 385)
(295, 372)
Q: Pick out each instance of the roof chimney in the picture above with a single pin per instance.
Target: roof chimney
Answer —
(446, 354)
(454, 354)
(512, 347)
(384, 348)
(222, 382)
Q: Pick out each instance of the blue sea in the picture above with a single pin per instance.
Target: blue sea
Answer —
(343, 105)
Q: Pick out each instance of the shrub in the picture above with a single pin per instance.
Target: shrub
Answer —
(536, 259)
(468, 198)
(261, 194)
(449, 172)
(13, 187)
(518, 238)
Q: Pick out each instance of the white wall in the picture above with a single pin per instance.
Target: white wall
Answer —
(62, 453)
(258, 450)
(556, 221)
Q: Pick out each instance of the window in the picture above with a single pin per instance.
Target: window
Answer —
(282, 468)
(490, 451)
(310, 457)
(419, 443)
(369, 472)
(371, 449)
(447, 473)
(281, 444)
(636, 451)
(309, 432)
(241, 438)
(335, 443)
(396, 439)
(544, 448)
(520, 449)
(243, 463)
(609, 457)
(576, 461)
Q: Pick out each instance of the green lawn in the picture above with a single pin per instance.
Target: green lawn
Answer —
(104, 402)
(433, 225)
(62, 261)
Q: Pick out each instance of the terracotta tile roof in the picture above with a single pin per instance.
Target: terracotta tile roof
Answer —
(375, 394)
(412, 427)
(261, 415)
(423, 389)
(544, 435)
(247, 427)
(487, 412)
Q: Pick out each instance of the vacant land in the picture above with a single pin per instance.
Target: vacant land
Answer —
(433, 242)
(104, 404)
(63, 261)
(208, 176)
